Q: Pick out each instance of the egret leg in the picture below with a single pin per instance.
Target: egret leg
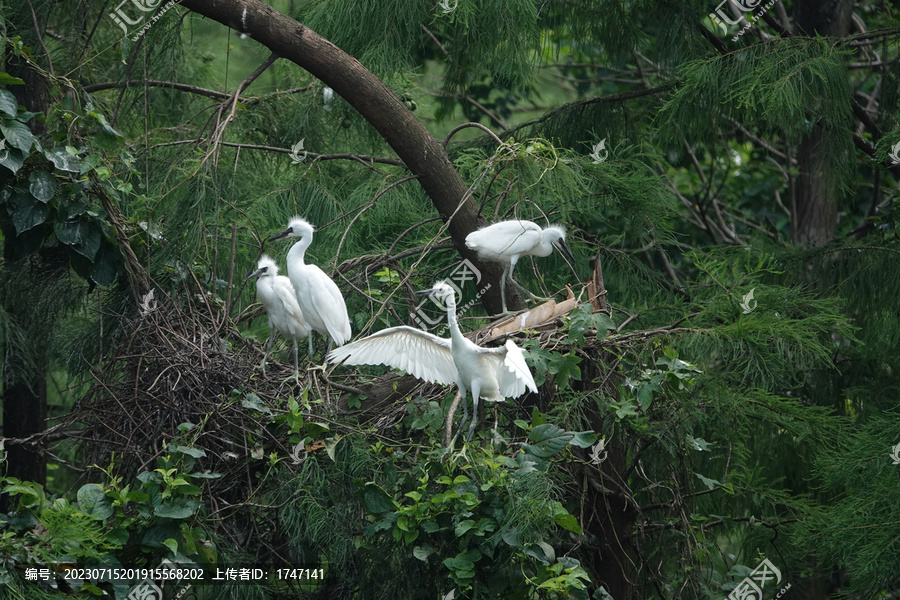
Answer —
(329, 345)
(296, 363)
(503, 287)
(522, 289)
(475, 391)
(310, 344)
(465, 418)
(262, 365)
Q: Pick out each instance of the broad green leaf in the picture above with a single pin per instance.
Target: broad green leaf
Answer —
(177, 508)
(17, 135)
(28, 212)
(189, 450)
(106, 264)
(92, 501)
(11, 158)
(8, 103)
(569, 522)
(709, 483)
(62, 160)
(172, 545)
(376, 500)
(547, 440)
(43, 185)
(83, 236)
(253, 402)
(7, 79)
(331, 445)
(584, 439)
(423, 552)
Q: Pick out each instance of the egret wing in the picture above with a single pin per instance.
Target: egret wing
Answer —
(505, 239)
(516, 376)
(285, 299)
(423, 354)
(330, 306)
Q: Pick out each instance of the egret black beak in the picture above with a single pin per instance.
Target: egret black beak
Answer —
(256, 273)
(425, 291)
(283, 234)
(565, 249)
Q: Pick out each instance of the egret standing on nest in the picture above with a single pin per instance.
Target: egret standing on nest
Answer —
(490, 373)
(277, 295)
(508, 240)
(320, 299)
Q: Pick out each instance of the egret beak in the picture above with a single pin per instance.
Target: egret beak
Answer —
(256, 273)
(564, 249)
(283, 234)
(424, 291)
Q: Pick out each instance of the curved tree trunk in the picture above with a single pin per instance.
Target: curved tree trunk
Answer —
(365, 92)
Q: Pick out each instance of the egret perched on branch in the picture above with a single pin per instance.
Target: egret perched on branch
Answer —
(508, 240)
(490, 373)
(320, 299)
(277, 295)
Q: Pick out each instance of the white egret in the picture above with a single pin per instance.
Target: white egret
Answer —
(320, 299)
(490, 373)
(508, 240)
(277, 295)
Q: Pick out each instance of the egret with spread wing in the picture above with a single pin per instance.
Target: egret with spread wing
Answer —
(320, 299)
(490, 373)
(508, 240)
(277, 295)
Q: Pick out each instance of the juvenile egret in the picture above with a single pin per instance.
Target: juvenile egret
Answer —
(508, 240)
(277, 295)
(320, 299)
(490, 373)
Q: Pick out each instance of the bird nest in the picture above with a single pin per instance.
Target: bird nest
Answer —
(175, 364)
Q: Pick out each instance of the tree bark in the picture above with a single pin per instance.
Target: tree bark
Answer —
(817, 199)
(412, 142)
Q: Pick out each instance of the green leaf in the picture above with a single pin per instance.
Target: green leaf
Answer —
(189, 450)
(83, 236)
(7, 79)
(253, 402)
(106, 264)
(8, 103)
(565, 367)
(548, 439)
(12, 158)
(43, 185)
(62, 160)
(463, 527)
(568, 522)
(92, 501)
(709, 483)
(27, 212)
(584, 439)
(177, 508)
(423, 552)
(331, 444)
(171, 544)
(17, 134)
(376, 500)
